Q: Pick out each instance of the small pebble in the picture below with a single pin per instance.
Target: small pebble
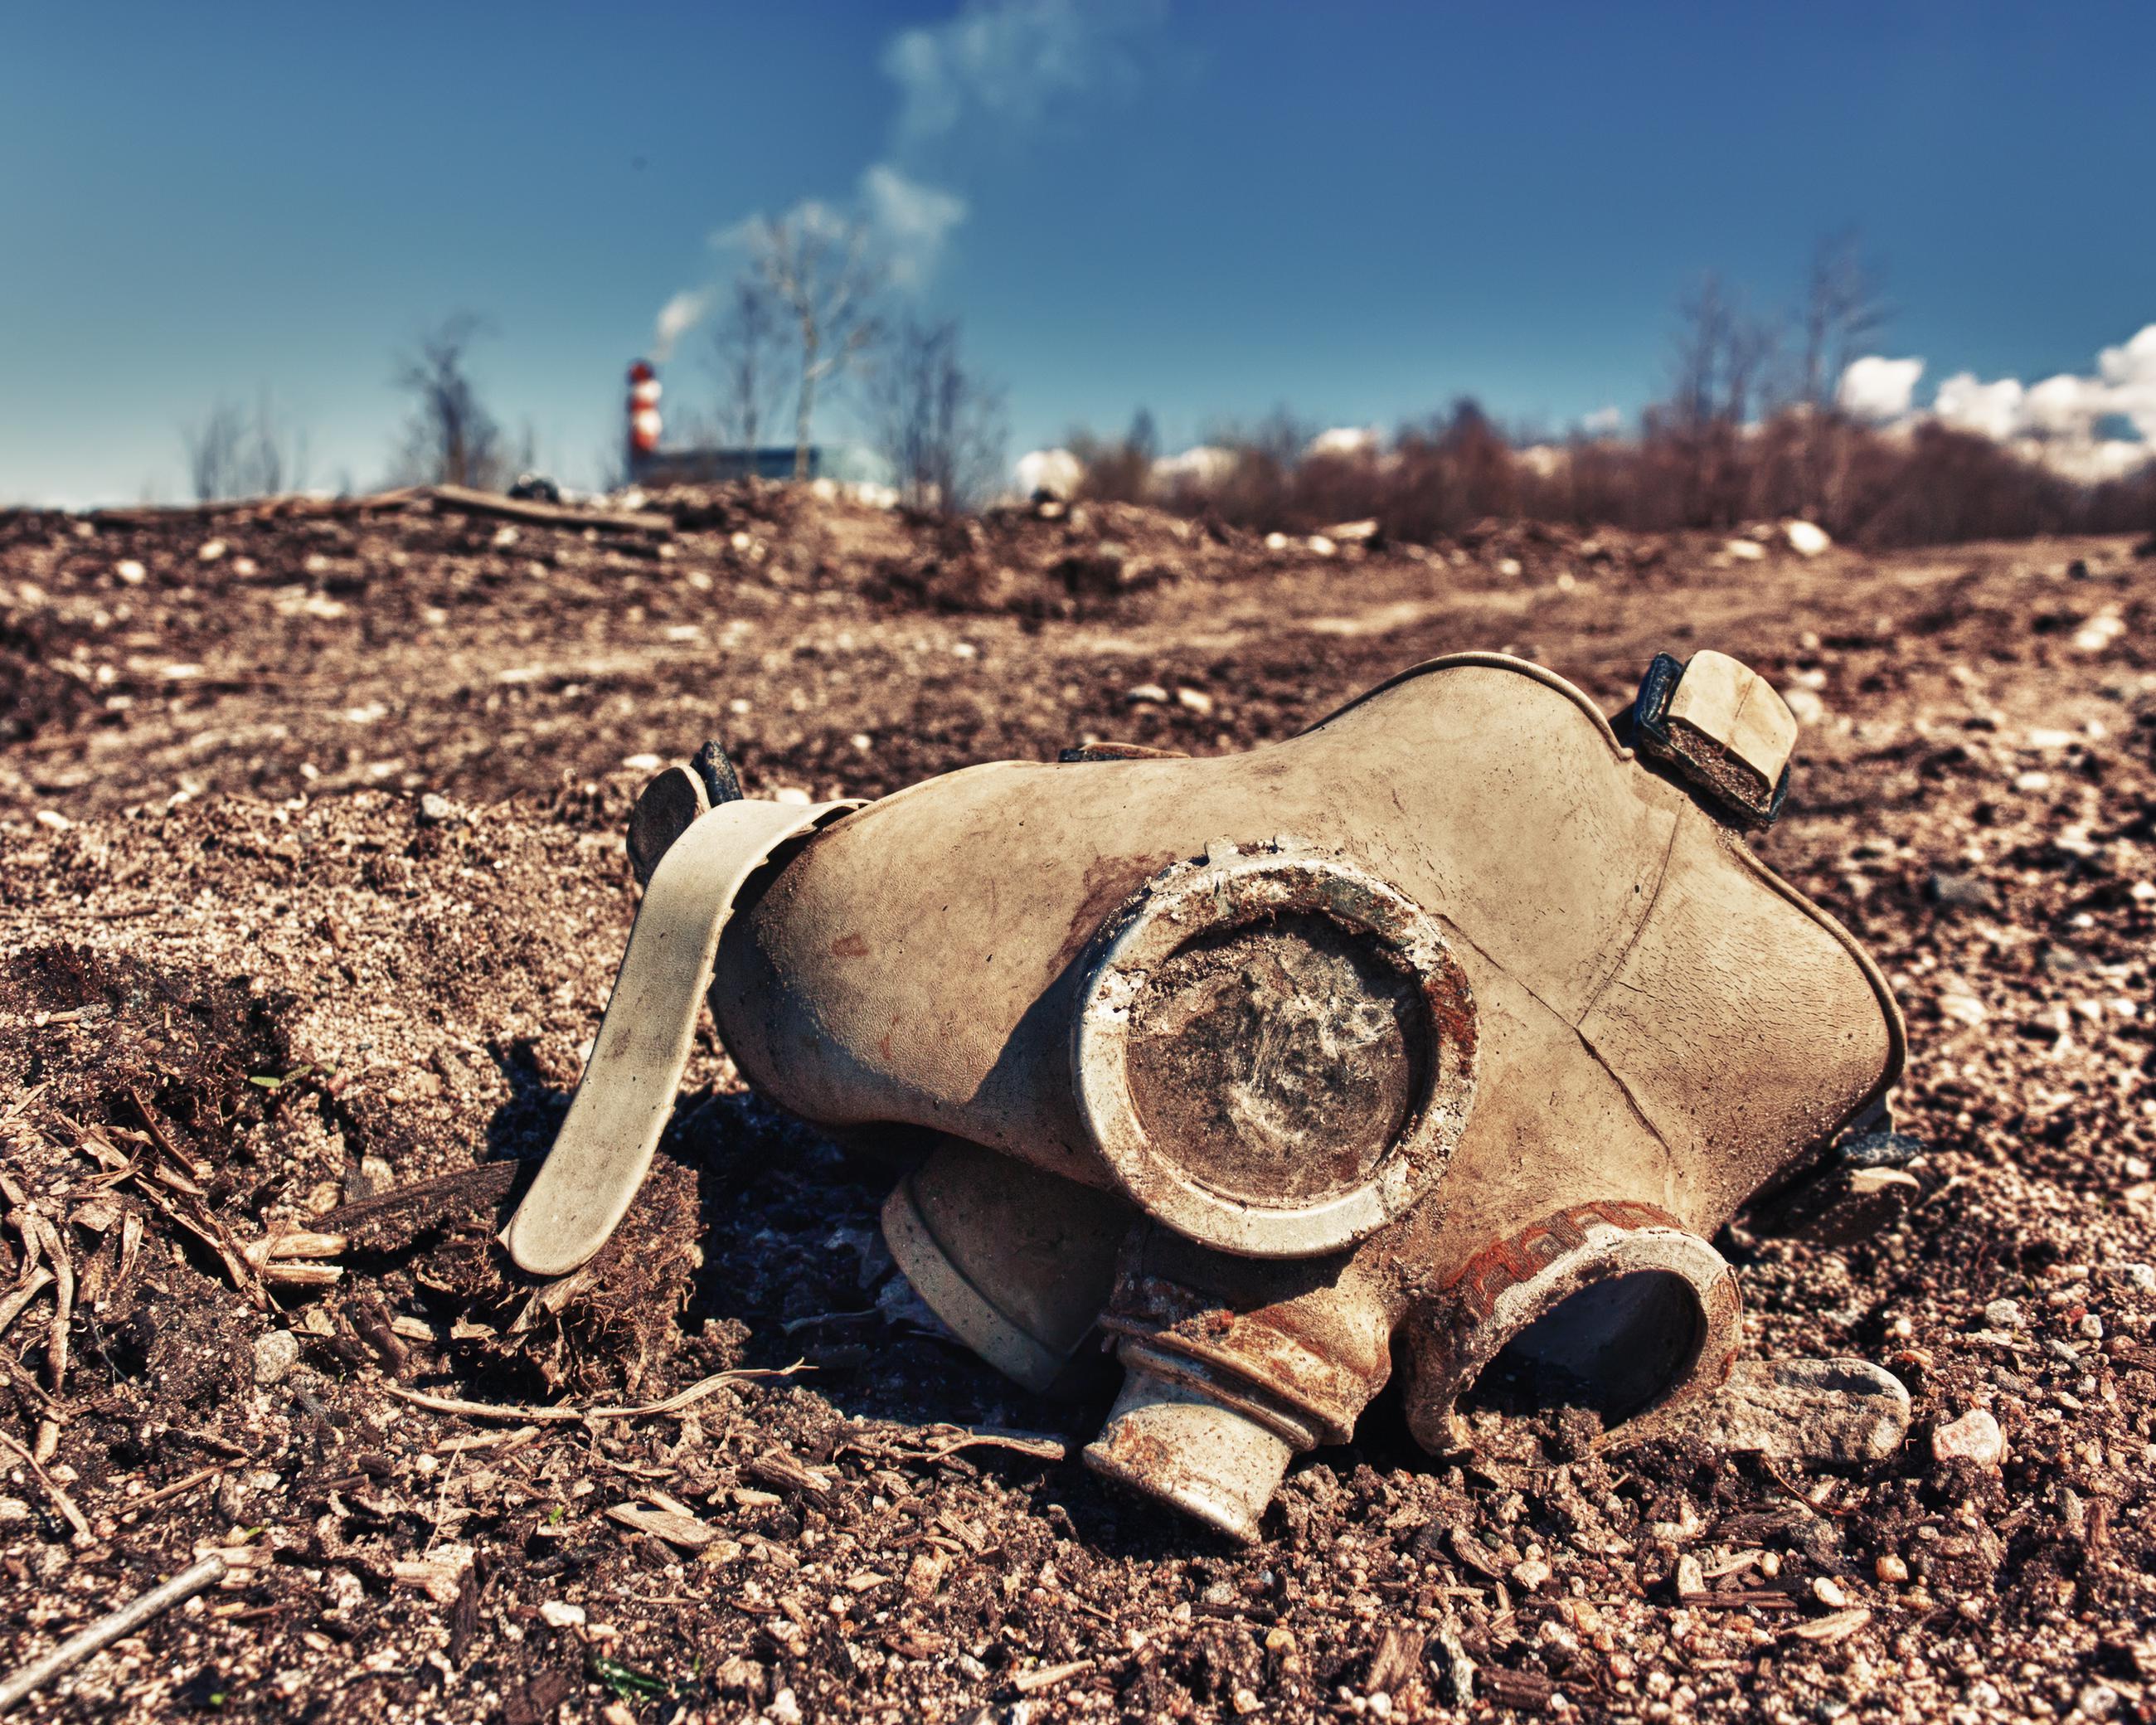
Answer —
(1891, 1570)
(559, 1614)
(1974, 1437)
(1530, 1575)
(276, 1352)
(2003, 1315)
(1691, 1579)
(1829, 1593)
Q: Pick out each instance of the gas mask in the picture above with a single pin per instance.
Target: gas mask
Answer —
(1446, 1034)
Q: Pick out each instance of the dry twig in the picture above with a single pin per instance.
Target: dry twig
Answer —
(521, 1411)
(61, 1502)
(111, 1628)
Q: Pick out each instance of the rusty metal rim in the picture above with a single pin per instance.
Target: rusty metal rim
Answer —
(1233, 887)
(1448, 1364)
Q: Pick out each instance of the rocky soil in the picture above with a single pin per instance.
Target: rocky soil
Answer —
(312, 889)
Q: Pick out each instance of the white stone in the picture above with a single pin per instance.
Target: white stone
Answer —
(1821, 1409)
(1805, 706)
(276, 1352)
(1974, 1437)
(559, 1614)
(1808, 539)
(1745, 551)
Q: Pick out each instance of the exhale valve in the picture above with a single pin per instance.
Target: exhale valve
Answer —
(1446, 1033)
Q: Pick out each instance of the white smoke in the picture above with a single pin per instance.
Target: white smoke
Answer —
(1009, 61)
(676, 318)
(909, 220)
(999, 65)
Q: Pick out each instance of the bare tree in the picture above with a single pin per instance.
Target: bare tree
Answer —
(451, 439)
(938, 422)
(1722, 361)
(828, 282)
(212, 450)
(1844, 310)
(748, 354)
(231, 455)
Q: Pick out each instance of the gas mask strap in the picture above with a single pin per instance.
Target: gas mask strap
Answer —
(626, 1094)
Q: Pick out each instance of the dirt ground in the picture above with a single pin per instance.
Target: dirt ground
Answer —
(312, 888)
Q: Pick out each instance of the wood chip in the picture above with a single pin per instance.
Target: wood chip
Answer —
(17, 1302)
(1834, 1627)
(302, 1275)
(1048, 1677)
(298, 1243)
(441, 1574)
(775, 1467)
(1398, 1660)
(685, 1531)
(486, 1441)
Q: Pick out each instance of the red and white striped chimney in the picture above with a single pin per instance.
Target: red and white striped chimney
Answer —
(643, 409)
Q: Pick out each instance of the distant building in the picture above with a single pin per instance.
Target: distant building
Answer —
(709, 466)
(651, 462)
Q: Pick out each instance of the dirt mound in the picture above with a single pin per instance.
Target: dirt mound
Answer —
(312, 891)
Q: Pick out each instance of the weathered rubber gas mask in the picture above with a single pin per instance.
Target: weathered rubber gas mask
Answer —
(1449, 1032)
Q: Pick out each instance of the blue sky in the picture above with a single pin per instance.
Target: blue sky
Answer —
(1359, 210)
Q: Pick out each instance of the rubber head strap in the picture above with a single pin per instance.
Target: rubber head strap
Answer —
(627, 1093)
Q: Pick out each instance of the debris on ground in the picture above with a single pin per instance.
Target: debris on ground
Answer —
(251, 990)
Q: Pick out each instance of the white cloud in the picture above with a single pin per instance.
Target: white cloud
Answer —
(1202, 467)
(1990, 410)
(1007, 60)
(676, 318)
(1878, 388)
(2059, 423)
(1055, 473)
(2130, 373)
(1344, 441)
(1603, 422)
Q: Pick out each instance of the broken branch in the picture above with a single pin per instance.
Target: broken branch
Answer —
(517, 1411)
(61, 1502)
(112, 1627)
